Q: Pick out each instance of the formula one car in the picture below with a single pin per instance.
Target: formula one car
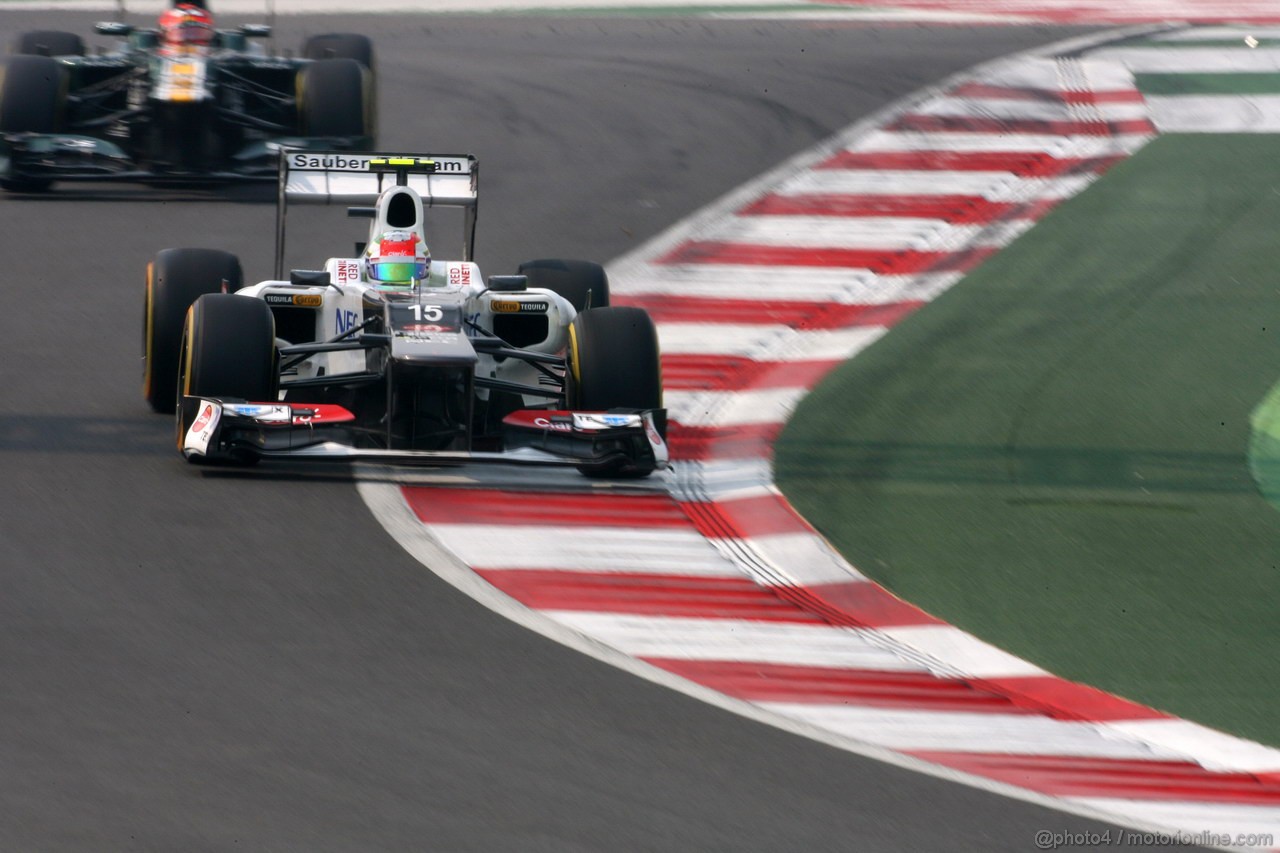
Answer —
(392, 355)
(182, 102)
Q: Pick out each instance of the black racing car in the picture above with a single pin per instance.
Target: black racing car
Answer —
(204, 104)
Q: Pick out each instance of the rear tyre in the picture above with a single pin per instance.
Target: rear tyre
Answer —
(228, 352)
(32, 100)
(340, 46)
(175, 279)
(613, 363)
(581, 282)
(49, 43)
(335, 98)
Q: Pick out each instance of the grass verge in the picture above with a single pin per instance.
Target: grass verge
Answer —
(1053, 454)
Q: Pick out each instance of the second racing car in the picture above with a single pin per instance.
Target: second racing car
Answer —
(184, 102)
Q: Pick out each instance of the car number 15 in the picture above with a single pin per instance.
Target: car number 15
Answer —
(430, 313)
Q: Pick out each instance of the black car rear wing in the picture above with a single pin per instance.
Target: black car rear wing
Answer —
(356, 178)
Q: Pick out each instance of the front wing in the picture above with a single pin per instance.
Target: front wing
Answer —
(617, 442)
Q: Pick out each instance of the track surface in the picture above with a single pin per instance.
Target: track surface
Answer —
(203, 662)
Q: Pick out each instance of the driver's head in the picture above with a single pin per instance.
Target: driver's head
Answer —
(397, 260)
(186, 24)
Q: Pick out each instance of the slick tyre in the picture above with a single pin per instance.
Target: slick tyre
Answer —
(49, 43)
(581, 282)
(340, 46)
(228, 352)
(175, 279)
(613, 360)
(613, 363)
(33, 98)
(335, 98)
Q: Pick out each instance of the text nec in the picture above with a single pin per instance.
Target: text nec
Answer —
(346, 320)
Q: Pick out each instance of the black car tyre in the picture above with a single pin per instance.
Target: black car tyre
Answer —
(33, 95)
(583, 283)
(340, 46)
(175, 279)
(613, 360)
(32, 99)
(49, 43)
(228, 352)
(335, 98)
(613, 363)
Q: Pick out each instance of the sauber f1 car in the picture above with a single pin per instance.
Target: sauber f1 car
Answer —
(183, 102)
(431, 365)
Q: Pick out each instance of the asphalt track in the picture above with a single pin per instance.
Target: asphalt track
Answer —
(194, 661)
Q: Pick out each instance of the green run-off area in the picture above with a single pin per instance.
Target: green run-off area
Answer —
(1053, 455)
(1209, 84)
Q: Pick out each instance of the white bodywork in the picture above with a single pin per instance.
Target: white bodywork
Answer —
(399, 367)
(344, 304)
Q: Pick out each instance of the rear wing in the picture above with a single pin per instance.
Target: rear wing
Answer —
(357, 178)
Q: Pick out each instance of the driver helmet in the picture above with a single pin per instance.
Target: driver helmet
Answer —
(397, 260)
(186, 24)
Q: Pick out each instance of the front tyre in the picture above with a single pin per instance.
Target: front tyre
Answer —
(613, 363)
(33, 99)
(227, 352)
(175, 279)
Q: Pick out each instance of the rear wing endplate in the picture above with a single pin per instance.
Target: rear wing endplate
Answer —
(358, 178)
